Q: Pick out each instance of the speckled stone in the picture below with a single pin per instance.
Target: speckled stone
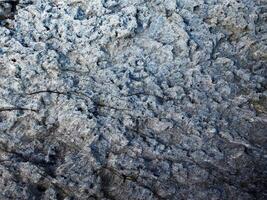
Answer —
(133, 99)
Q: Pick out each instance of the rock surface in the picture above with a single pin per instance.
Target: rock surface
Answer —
(133, 99)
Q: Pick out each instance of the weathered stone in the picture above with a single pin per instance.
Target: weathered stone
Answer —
(133, 99)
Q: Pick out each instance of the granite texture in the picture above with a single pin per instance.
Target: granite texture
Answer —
(133, 99)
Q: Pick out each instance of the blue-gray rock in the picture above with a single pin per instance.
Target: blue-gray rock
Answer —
(133, 99)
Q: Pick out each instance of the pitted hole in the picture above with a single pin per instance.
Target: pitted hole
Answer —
(8, 9)
(41, 188)
(89, 116)
(79, 109)
(120, 87)
(196, 8)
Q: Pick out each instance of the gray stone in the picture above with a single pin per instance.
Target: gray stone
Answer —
(133, 99)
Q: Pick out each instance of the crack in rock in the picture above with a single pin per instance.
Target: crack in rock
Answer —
(133, 99)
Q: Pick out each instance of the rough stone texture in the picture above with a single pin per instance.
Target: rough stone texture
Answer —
(133, 99)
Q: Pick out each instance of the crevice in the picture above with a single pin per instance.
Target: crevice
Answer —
(17, 109)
